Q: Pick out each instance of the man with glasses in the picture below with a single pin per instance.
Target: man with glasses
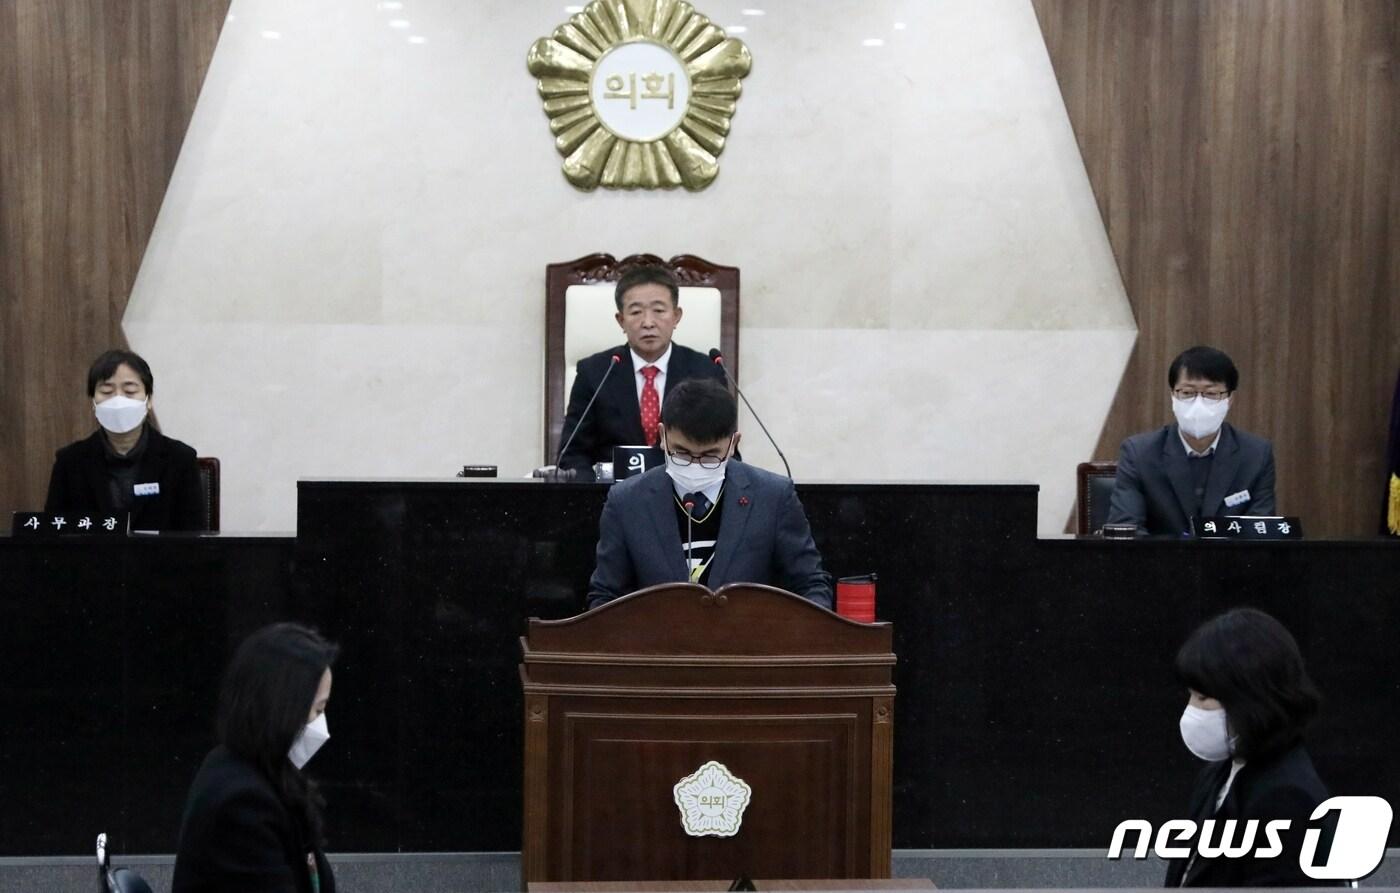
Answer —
(705, 517)
(1198, 467)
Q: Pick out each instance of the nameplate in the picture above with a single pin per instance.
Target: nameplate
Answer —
(477, 471)
(629, 461)
(46, 525)
(1245, 527)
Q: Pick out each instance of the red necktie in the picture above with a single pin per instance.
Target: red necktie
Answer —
(651, 405)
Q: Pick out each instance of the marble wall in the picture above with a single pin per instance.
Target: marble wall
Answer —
(347, 275)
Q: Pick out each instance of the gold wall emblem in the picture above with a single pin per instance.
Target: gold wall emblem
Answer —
(639, 93)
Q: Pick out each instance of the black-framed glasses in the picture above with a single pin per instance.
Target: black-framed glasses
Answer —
(1211, 396)
(682, 458)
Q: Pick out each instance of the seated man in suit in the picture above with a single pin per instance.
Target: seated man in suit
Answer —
(628, 408)
(743, 524)
(1199, 467)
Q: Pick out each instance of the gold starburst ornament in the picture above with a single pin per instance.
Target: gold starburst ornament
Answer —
(639, 93)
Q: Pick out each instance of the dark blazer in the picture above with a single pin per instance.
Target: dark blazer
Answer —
(1153, 486)
(763, 537)
(616, 416)
(1284, 786)
(238, 836)
(79, 483)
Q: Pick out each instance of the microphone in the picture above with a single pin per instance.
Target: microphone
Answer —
(718, 359)
(689, 536)
(583, 415)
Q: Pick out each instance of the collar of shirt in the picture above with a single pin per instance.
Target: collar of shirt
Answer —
(661, 363)
(1235, 767)
(1191, 453)
(638, 364)
(711, 492)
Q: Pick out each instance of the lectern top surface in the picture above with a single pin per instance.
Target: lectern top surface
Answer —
(787, 886)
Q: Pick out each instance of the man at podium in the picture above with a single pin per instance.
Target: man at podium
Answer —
(705, 517)
(628, 407)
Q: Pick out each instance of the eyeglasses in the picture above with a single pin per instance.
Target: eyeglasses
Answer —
(682, 458)
(1214, 396)
(702, 461)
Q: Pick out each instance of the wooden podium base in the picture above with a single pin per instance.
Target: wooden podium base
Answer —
(679, 733)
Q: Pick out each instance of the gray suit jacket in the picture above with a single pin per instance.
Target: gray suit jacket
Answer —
(1153, 486)
(763, 537)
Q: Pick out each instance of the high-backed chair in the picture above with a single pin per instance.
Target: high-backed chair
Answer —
(579, 319)
(209, 483)
(1095, 491)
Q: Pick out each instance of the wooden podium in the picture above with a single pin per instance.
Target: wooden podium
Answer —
(624, 702)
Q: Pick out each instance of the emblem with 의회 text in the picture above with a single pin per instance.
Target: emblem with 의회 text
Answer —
(712, 801)
(639, 93)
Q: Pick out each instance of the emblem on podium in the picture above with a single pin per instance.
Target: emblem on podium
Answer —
(712, 801)
(639, 93)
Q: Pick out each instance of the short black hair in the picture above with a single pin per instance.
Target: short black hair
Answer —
(702, 409)
(105, 366)
(1250, 663)
(268, 691)
(1206, 362)
(643, 275)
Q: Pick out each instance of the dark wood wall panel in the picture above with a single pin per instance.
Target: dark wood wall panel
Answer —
(1245, 155)
(95, 98)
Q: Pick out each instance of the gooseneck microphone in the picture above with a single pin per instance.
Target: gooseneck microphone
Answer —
(583, 415)
(689, 537)
(718, 359)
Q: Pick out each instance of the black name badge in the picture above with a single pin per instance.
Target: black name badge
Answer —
(629, 461)
(1244, 527)
(44, 524)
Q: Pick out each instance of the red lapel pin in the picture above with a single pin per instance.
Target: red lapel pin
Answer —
(743, 500)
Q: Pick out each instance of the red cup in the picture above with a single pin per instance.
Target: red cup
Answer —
(855, 598)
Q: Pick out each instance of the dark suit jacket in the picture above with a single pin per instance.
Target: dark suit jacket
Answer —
(616, 416)
(1153, 486)
(79, 483)
(763, 537)
(238, 836)
(1284, 786)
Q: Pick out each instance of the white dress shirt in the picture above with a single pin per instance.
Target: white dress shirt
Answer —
(640, 380)
(1235, 767)
(1191, 453)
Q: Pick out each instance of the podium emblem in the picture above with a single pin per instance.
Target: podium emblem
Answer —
(712, 801)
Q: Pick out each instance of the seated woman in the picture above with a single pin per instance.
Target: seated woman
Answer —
(1250, 699)
(253, 820)
(127, 465)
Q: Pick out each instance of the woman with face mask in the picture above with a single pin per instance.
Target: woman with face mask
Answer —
(127, 465)
(253, 820)
(1250, 700)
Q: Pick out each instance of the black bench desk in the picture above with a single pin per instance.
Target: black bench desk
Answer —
(1036, 702)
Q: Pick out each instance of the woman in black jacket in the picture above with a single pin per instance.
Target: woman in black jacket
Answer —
(126, 465)
(252, 820)
(1250, 699)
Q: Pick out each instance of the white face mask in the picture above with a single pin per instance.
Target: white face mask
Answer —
(308, 741)
(1198, 417)
(694, 478)
(120, 414)
(1206, 733)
